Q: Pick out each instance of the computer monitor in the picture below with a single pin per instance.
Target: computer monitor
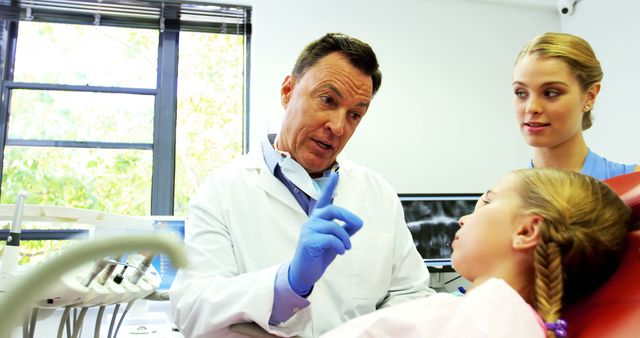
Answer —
(433, 221)
(162, 263)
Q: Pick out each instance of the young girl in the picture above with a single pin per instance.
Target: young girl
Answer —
(537, 241)
(556, 80)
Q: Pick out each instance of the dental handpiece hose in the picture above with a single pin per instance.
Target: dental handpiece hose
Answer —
(97, 268)
(11, 254)
(141, 268)
(104, 275)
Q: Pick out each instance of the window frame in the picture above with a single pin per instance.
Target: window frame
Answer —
(165, 107)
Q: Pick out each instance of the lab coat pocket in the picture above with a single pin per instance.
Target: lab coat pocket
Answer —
(373, 265)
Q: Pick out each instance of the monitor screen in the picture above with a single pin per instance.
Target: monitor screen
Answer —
(433, 221)
(162, 263)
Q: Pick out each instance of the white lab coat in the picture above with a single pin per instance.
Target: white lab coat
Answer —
(245, 223)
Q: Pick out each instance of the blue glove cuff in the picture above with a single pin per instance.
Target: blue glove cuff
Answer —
(302, 293)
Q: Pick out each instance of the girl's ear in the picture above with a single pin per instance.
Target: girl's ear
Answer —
(527, 232)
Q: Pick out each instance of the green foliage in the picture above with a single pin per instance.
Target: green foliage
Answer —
(116, 181)
(86, 55)
(33, 252)
(209, 116)
(210, 109)
(209, 126)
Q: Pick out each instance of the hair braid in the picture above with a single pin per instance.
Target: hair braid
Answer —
(548, 282)
(581, 239)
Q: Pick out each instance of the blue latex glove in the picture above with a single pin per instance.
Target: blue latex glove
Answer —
(321, 239)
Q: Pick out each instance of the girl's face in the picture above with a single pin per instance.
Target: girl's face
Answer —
(548, 101)
(485, 237)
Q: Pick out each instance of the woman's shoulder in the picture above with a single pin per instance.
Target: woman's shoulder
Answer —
(601, 168)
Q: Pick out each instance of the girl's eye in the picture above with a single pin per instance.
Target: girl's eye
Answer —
(482, 201)
(356, 116)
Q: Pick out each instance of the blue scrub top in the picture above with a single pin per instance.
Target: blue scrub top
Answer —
(600, 168)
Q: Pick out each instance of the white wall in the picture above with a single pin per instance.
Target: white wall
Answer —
(443, 120)
(613, 29)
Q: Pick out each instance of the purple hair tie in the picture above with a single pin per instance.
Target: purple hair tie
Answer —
(559, 327)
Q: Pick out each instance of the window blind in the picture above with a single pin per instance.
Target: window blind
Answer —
(172, 15)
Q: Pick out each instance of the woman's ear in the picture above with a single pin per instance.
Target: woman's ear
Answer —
(592, 93)
(286, 89)
(527, 232)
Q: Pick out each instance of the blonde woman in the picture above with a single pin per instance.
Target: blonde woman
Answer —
(536, 242)
(556, 80)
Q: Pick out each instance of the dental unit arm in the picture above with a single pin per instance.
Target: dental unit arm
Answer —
(24, 294)
(11, 254)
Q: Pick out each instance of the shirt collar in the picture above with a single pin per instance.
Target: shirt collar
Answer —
(272, 156)
(292, 171)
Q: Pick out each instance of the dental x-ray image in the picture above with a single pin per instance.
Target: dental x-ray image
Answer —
(433, 222)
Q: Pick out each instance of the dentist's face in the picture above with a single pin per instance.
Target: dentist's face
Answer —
(322, 110)
(548, 101)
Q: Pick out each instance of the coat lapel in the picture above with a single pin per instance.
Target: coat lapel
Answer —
(271, 185)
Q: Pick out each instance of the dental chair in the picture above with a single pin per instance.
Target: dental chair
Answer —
(614, 309)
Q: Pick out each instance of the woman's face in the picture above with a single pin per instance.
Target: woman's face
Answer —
(485, 237)
(548, 101)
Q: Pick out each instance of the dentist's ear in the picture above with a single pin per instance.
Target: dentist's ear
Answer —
(527, 232)
(286, 90)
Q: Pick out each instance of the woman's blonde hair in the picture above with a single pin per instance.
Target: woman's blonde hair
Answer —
(576, 53)
(582, 239)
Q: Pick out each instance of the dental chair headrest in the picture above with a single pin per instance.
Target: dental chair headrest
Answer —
(614, 309)
(628, 188)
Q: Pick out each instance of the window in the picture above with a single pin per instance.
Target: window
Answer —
(120, 107)
(210, 99)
